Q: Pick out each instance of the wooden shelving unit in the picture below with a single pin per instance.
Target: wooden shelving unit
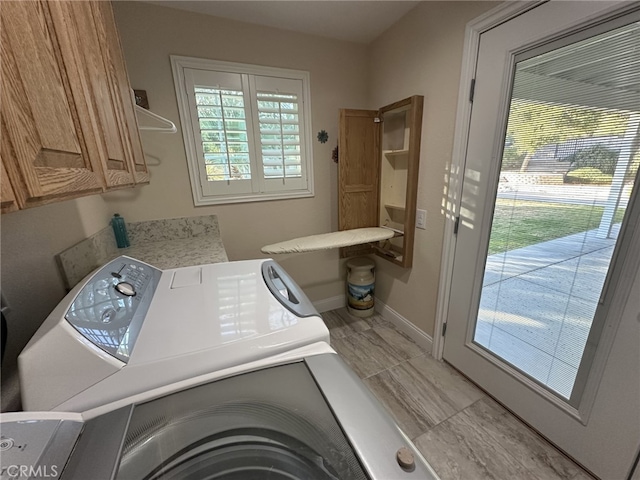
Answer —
(400, 144)
(378, 175)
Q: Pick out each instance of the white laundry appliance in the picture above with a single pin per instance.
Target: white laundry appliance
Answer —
(130, 327)
(300, 415)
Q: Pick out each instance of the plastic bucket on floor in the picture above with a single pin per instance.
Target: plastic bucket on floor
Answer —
(361, 282)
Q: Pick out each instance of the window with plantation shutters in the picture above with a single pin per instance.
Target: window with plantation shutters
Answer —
(246, 130)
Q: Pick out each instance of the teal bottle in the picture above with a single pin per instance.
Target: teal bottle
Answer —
(120, 231)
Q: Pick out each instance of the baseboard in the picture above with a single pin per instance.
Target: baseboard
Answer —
(389, 314)
(332, 303)
(404, 325)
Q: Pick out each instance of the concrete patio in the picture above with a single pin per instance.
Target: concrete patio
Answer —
(538, 302)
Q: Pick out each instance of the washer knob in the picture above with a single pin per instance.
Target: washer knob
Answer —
(125, 288)
(405, 458)
(108, 315)
(6, 443)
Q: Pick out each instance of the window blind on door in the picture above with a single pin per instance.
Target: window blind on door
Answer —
(569, 165)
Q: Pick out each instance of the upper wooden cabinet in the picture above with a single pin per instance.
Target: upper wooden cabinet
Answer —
(379, 156)
(8, 201)
(68, 121)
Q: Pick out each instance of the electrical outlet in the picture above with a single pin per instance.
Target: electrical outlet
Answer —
(421, 219)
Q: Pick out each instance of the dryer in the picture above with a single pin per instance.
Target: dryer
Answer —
(130, 327)
(302, 415)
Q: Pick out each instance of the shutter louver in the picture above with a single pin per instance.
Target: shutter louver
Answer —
(279, 135)
(223, 128)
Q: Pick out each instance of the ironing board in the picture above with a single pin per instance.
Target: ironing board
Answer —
(325, 241)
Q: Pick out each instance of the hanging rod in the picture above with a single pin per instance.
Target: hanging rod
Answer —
(168, 125)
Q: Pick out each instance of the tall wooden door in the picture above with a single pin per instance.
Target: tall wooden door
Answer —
(359, 167)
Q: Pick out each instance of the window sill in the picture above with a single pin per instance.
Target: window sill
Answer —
(248, 198)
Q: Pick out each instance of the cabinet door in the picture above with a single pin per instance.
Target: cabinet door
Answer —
(358, 166)
(118, 71)
(48, 155)
(84, 48)
(8, 202)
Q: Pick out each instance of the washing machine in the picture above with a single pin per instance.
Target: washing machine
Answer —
(130, 327)
(302, 415)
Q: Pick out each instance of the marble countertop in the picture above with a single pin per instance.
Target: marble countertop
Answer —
(181, 252)
(166, 243)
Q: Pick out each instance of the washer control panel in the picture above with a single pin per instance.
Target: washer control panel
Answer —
(36, 448)
(110, 309)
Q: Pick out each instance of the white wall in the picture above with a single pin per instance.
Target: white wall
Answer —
(419, 55)
(149, 34)
(31, 282)
(422, 55)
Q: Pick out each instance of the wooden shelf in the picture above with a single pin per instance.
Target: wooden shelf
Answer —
(394, 207)
(397, 231)
(395, 153)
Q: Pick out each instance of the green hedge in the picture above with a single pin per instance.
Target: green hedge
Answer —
(587, 175)
(598, 156)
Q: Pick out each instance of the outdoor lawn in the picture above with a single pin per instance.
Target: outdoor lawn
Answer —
(519, 223)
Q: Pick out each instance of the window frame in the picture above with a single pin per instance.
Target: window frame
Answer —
(180, 65)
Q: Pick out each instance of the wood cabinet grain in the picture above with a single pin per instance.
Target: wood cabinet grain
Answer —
(117, 69)
(47, 155)
(68, 124)
(8, 202)
(359, 148)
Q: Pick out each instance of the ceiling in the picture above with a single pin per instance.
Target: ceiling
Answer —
(358, 21)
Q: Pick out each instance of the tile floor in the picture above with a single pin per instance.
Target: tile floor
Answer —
(462, 432)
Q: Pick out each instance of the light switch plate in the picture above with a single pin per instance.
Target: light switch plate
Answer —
(421, 219)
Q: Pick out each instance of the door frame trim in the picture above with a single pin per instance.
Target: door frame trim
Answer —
(494, 17)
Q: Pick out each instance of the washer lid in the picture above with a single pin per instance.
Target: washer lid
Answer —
(213, 308)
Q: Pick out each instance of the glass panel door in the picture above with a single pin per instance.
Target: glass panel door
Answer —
(542, 311)
(569, 163)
